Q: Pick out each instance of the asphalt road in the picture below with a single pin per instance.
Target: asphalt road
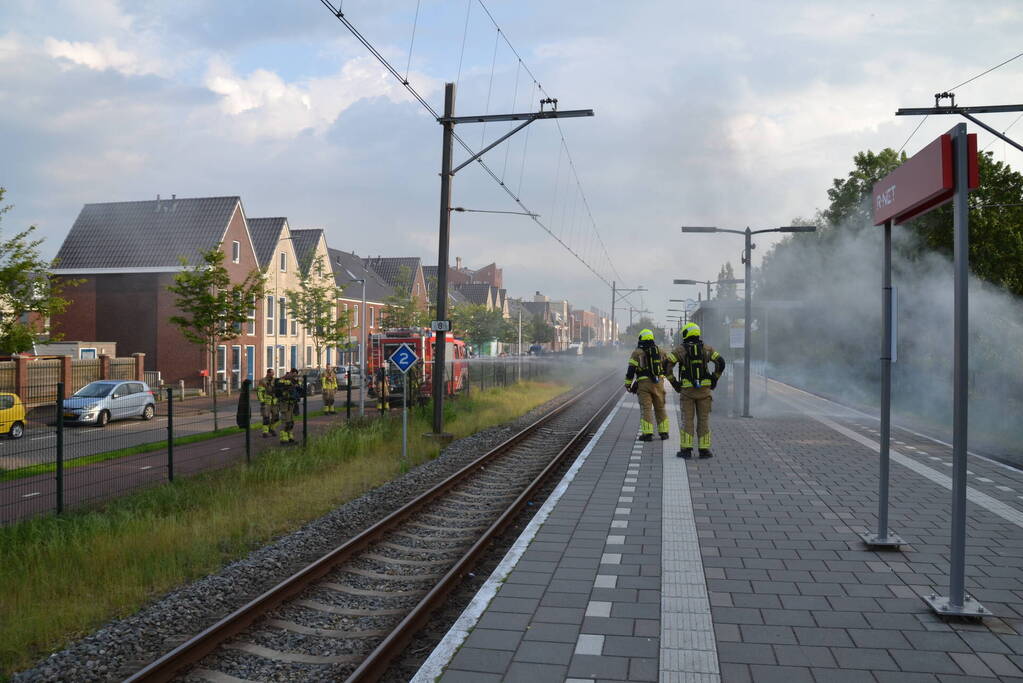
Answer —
(190, 417)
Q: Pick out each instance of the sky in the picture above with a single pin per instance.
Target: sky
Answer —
(734, 114)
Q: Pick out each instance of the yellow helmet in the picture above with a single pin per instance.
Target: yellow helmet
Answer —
(690, 330)
(646, 335)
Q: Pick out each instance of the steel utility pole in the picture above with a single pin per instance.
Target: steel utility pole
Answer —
(617, 294)
(448, 122)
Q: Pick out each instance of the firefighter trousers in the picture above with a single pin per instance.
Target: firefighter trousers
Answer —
(651, 405)
(287, 421)
(696, 404)
(269, 413)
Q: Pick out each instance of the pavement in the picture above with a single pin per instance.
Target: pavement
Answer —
(748, 566)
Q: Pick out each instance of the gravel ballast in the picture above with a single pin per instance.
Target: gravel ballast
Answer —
(123, 646)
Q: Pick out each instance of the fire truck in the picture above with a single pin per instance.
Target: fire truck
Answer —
(422, 340)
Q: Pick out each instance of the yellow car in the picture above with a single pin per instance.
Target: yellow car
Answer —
(12, 416)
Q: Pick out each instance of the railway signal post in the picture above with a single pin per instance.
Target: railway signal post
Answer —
(404, 358)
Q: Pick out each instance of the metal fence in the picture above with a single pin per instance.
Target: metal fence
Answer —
(93, 447)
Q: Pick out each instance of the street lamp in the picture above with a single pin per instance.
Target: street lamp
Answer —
(709, 282)
(747, 258)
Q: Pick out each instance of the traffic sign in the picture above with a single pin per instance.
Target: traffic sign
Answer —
(404, 358)
(440, 326)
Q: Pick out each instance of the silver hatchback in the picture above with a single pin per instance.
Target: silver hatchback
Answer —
(100, 402)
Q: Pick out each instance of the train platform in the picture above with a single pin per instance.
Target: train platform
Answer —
(748, 566)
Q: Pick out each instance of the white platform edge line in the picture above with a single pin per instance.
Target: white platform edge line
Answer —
(993, 505)
(438, 660)
(877, 418)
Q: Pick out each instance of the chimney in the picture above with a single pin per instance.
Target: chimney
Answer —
(458, 263)
(157, 203)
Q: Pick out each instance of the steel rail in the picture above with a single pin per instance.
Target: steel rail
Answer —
(378, 661)
(166, 667)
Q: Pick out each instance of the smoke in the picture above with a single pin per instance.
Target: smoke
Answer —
(831, 342)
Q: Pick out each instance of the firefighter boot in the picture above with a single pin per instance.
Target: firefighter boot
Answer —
(685, 453)
(646, 437)
(664, 436)
(705, 453)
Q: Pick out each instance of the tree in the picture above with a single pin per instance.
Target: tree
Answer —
(727, 292)
(213, 308)
(314, 306)
(26, 288)
(631, 334)
(847, 194)
(539, 332)
(477, 325)
(401, 309)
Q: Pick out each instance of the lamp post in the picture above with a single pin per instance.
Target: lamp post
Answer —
(747, 258)
(726, 281)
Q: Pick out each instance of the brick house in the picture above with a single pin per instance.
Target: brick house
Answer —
(348, 268)
(403, 274)
(127, 254)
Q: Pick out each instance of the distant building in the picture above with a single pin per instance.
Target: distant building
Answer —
(348, 270)
(127, 254)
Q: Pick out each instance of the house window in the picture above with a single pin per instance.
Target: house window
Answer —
(308, 356)
(86, 353)
(282, 306)
(251, 325)
(270, 318)
(236, 252)
(269, 358)
(415, 290)
(284, 262)
(294, 327)
(372, 317)
(355, 315)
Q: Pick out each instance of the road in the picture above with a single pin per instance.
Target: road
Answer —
(38, 446)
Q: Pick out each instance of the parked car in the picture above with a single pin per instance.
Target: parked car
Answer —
(100, 402)
(351, 371)
(12, 415)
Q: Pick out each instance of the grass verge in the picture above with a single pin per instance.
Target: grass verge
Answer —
(64, 576)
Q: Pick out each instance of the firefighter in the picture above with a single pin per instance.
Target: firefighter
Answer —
(383, 391)
(287, 392)
(267, 403)
(328, 388)
(694, 383)
(644, 378)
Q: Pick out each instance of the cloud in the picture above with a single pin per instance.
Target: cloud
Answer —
(262, 104)
(102, 55)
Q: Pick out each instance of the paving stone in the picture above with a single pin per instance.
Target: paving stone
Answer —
(555, 633)
(492, 639)
(475, 659)
(605, 668)
(544, 653)
(528, 672)
(780, 674)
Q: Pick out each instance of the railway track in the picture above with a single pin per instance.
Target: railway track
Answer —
(348, 615)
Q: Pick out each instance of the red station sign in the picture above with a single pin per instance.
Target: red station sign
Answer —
(924, 182)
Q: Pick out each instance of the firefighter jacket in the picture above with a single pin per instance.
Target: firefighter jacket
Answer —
(287, 389)
(646, 362)
(265, 391)
(693, 358)
(329, 382)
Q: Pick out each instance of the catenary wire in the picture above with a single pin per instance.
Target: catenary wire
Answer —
(339, 15)
(984, 73)
(412, 40)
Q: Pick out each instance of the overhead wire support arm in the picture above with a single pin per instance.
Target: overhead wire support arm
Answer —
(966, 113)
